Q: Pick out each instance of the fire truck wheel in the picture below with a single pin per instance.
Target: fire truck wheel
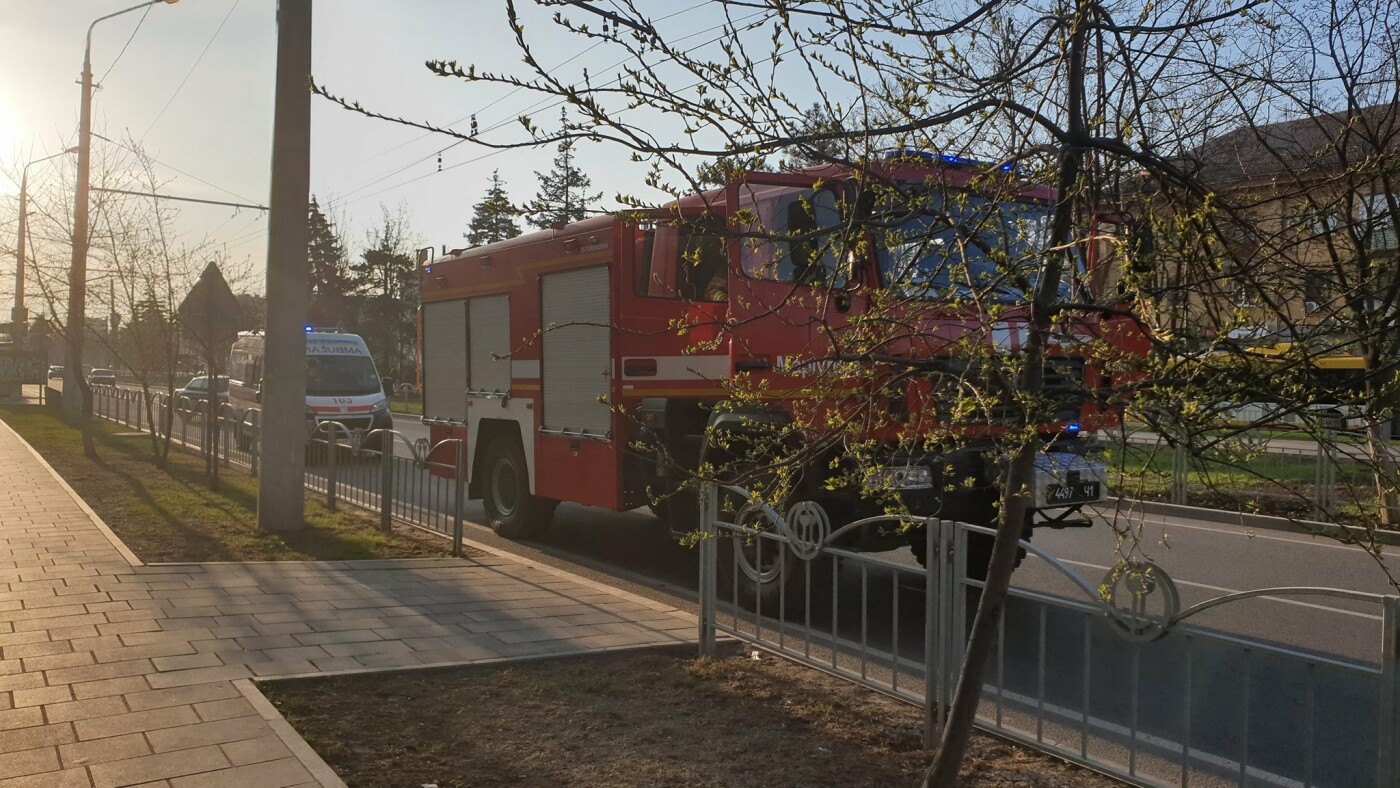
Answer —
(979, 553)
(776, 580)
(513, 512)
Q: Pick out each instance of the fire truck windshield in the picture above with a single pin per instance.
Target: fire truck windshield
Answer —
(341, 376)
(962, 246)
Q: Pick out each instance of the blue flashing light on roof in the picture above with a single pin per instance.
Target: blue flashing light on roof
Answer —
(308, 329)
(1072, 429)
(930, 156)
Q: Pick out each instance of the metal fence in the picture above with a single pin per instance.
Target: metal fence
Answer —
(380, 471)
(1115, 679)
(1254, 471)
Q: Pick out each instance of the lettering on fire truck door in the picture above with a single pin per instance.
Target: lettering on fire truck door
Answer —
(575, 312)
(445, 360)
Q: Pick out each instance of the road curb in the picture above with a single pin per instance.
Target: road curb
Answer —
(1261, 522)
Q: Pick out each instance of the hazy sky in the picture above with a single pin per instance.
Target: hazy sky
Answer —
(218, 127)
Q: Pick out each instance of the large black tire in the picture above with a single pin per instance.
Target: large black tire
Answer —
(774, 580)
(510, 508)
(979, 552)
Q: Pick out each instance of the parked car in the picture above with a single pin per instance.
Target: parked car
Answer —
(56, 372)
(191, 396)
(102, 377)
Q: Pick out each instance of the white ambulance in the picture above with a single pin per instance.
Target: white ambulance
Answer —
(342, 383)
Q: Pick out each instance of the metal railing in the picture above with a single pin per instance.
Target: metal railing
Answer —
(1256, 471)
(1108, 674)
(379, 470)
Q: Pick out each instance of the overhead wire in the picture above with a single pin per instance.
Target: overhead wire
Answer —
(507, 95)
(192, 68)
(504, 123)
(168, 166)
(129, 39)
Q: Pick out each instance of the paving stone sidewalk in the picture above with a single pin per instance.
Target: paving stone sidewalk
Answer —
(113, 673)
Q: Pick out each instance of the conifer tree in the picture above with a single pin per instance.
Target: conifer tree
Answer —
(493, 219)
(330, 275)
(563, 195)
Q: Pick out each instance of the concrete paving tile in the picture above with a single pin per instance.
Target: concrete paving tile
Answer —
(280, 773)
(26, 762)
(112, 748)
(135, 722)
(370, 647)
(214, 732)
(54, 661)
(182, 678)
(176, 696)
(67, 778)
(40, 648)
(38, 696)
(119, 686)
(82, 709)
(267, 747)
(343, 636)
(107, 670)
(37, 736)
(292, 667)
(168, 765)
(187, 661)
(15, 681)
(213, 710)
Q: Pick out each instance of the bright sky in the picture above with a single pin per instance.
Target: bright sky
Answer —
(218, 127)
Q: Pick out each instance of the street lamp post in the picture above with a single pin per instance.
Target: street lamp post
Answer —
(76, 408)
(19, 315)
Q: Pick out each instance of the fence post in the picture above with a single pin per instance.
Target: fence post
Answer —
(1325, 478)
(386, 480)
(935, 622)
(254, 441)
(224, 439)
(332, 444)
(458, 493)
(1388, 770)
(1180, 469)
(709, 552)
(140, 410)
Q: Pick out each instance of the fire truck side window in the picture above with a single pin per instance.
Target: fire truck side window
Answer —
(685, 262)
(796, 235)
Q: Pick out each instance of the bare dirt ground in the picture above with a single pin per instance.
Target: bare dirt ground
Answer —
(634, 718)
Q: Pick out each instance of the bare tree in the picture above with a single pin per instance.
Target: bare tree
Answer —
(1117, 107)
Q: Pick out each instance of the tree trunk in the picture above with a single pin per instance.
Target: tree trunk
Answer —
(1020, 475)
(957, 732)
(1387, 475)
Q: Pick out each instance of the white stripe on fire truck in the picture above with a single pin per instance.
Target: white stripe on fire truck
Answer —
(706, 367)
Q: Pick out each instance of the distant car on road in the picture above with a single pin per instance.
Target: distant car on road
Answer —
(102, 377)
(56, 372)
(197, 390)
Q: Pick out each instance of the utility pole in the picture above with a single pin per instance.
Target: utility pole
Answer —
(75, 390)
(76, 408)
(281, 496)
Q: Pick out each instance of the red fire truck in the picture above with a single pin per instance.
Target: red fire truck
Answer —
(556, 354)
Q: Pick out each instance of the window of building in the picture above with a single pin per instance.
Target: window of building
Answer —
(1378, 222)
